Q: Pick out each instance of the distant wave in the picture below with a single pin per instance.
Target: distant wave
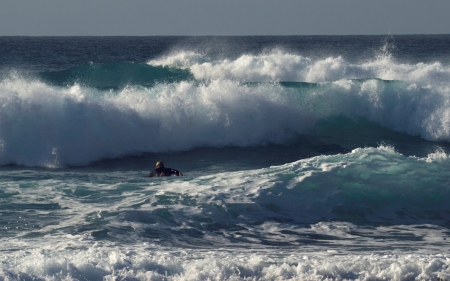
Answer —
(283, 66)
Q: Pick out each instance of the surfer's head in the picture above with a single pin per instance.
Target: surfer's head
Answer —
(159, 164)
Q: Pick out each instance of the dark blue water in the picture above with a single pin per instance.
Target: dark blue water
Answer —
(61, 53)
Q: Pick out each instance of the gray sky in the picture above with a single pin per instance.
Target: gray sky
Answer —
(225, 17)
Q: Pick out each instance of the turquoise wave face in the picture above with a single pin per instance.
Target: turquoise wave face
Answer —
(114, 75)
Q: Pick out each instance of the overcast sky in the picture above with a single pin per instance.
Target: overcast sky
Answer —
(223, 17)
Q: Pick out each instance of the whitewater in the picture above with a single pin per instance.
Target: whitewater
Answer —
(305, 158)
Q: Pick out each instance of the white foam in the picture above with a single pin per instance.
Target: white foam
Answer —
(113, 264)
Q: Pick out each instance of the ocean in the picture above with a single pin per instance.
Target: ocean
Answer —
(304, 158)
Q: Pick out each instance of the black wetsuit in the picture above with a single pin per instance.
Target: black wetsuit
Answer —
(166, 171)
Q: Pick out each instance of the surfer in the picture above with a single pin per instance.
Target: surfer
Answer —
(160, 171)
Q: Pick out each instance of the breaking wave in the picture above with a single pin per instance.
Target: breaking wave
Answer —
(43, 124)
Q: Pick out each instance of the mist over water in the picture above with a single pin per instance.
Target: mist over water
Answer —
(305, 158)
